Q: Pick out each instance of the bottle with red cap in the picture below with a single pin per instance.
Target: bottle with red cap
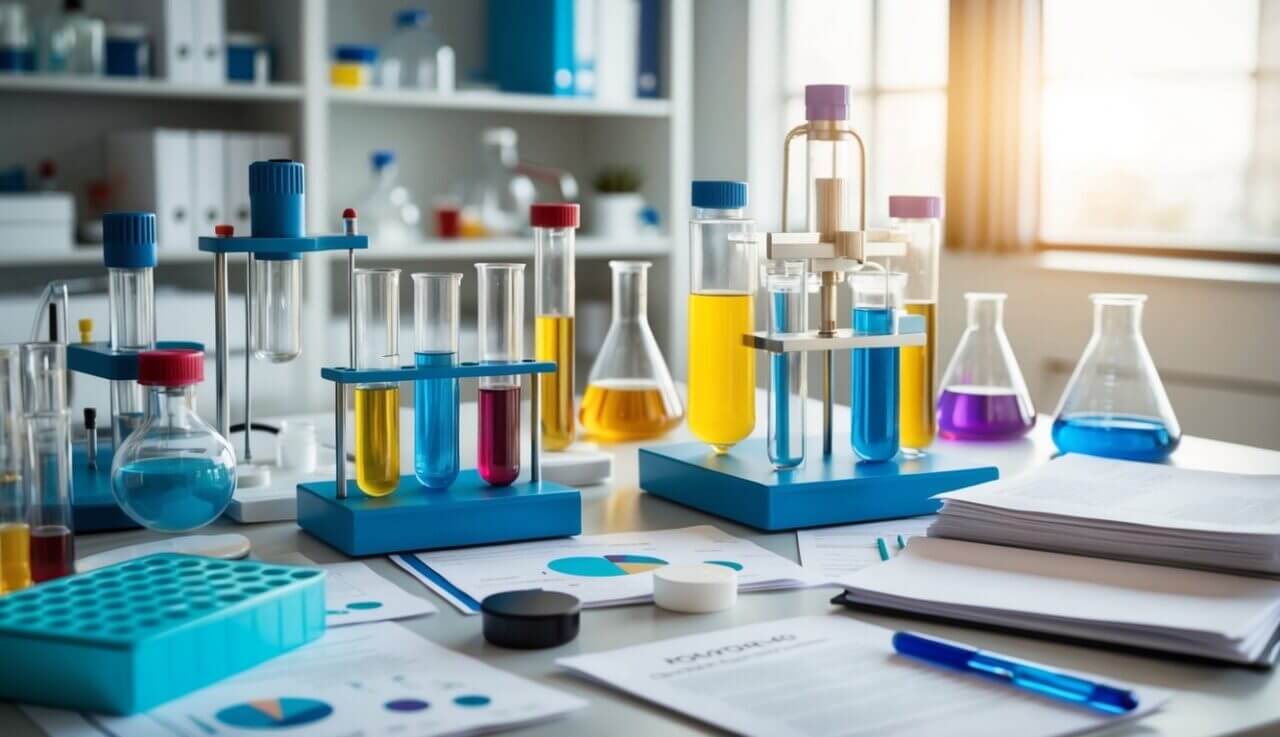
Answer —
(554, 224)
(175, 473)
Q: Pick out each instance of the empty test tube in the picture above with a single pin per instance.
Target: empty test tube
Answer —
(785, 283)
(129, 251)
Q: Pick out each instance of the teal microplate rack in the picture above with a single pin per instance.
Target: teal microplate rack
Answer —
(128, 637)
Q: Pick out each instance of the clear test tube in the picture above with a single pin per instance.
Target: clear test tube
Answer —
(15, 533)
(377, 403)
(553, 229)
(275, 333)
(129, 252)
(788, 316)
(47, 459)
(435, 331)
(501, 328)
(921, 218)
(877, 295)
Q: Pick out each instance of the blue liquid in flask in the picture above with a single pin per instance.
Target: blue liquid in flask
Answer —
(173, 493)
(785, 449)
(1114, 436)
(875, 389)
(435, 433)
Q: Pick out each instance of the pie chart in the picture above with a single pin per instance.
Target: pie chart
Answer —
(274, 713)
(600, 566)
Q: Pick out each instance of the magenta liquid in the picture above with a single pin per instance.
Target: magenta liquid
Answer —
(981, 413)
(498, 455)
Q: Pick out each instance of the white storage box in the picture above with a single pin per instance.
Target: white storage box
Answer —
(36, 223)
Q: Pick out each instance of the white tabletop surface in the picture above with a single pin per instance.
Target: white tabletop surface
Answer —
(1208, 699)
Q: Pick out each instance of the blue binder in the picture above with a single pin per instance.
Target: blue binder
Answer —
(531, 46)
(648, 71)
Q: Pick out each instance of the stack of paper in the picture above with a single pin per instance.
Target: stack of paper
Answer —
(1121, 509)
(1200, 613)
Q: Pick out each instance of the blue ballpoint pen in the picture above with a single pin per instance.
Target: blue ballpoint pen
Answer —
(1023, 675)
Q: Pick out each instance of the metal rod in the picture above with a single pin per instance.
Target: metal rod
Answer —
(828, 371)
(248, 356)
(535, 423)
(220, 343)
(351, 307)
(340, 439)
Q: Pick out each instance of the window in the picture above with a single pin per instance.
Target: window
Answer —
(1160, 124)
(893, 53)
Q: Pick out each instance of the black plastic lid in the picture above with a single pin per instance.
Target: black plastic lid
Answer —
(530, 620)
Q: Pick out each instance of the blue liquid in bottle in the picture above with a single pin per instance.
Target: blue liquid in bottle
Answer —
(1114, 436)
(785, 451)
(173, 493)
(435, 426)
(875, 389)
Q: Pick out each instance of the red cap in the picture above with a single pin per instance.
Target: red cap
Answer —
(224, 231)
(553, 215)
(349, 213)
(170, 367)
(48, 168)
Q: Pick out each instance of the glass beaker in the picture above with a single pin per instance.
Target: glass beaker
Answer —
(15, 533)
(435, 330)
(877, 295)
(501, 331)
(175, 473)
(722, 371)
(630, 394)
(47, 459)
(276, 196)
(1115, 404)
(378, 403)
(129, 253)
(983, 394)
(788, 316)
(553, 230)
(920, 217)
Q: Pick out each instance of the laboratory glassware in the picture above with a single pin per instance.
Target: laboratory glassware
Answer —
(722, 273)
(630, 394)
(15, 533)
(786, 283)
(46, 467)
(983, 395)
(73, 42)
(377, 316)
(409, 54)
(501, 329)
(920, 217)
(554, 224)
(390, 216)
(1115, 404)
(276, 192)
(176, 473)
(129, 251)
(502, 196)
(877, 296)
(436, 310)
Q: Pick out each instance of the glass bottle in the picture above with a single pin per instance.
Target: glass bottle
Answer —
(501, 331)
(436, 309)
(73, 42)
(501, 200)
(47, 459)
(129, 252)
(378, 403)
(15, 533)
(409, 55)
(788, 316)
(276, 195)
(390, 216)
(983, 394)
(176, 473)
(1115, 404)
(722, 370)
(920, 217)
(553, 230)
(877, 295)
(630, 394)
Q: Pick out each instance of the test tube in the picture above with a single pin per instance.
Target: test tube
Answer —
(129, 251)
(435, 329)
(553, 230)
(787, 318)
(877, 295)
(47, 459)
(15, 533)
(276, 197)
(377, 403)
(920, 217)
(501, 327)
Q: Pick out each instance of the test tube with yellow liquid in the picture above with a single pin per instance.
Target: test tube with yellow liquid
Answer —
(15, 532)
(920, 217)
(722, 268)
(377, 316)
(553, 240)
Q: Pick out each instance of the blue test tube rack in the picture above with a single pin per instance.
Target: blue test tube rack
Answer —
(469, 512)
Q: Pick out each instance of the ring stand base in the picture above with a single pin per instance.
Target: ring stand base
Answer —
(93, 506)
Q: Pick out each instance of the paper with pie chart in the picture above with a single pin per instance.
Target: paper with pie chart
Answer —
(601, 570)
(354, 593)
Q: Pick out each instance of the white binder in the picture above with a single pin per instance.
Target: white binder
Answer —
(208, 180)
(151, 170)
(242, 150)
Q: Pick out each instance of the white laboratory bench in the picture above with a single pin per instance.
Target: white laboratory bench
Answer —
(1208, 699)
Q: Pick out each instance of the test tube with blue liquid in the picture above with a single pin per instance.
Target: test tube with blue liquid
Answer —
(877, 295)
(435, 326)
(785, 282)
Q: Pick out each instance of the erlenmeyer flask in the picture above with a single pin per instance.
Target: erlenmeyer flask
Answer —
(1115, 404)
(983, 394)
(630, 394)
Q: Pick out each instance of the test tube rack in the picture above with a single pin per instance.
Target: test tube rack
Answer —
(469, 512)
(127, 637)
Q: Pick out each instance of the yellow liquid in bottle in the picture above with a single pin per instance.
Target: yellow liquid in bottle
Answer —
(15, 556)
(378, 439)
(553, 335)
(618, 410)
(722, 371)
(917, 412)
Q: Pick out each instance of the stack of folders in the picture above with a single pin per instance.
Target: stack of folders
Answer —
(1093, 511)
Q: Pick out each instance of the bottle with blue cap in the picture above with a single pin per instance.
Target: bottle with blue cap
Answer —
(409, 54)
(276, 200)
(722, 274)
(129, 252)
(387, 210)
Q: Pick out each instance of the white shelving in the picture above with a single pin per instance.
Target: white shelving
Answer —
(504, 102)
(124, 87)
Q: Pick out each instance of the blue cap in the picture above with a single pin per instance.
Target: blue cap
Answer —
(718, 194)
(356, 52)
(412, 18)
(277, 199)
(382, 157)
(129, 240)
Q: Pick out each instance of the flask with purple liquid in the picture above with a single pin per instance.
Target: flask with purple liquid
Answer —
(983, 394)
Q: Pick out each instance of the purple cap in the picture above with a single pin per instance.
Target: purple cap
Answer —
(826, 102)
(914, 206)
